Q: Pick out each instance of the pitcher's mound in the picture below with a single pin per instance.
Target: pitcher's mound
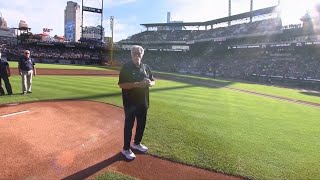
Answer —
(75, 140)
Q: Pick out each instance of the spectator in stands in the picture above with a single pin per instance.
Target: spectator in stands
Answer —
(135, 79)
(5, 74)
(27, 69)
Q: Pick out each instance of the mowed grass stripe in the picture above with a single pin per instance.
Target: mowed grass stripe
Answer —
(58, 87)
(270, 90)
(93, 83)
(97, 81)
(282, 92)
(82, 88)
(85, 85)
(14, 64)
(194, 95)
(88, 92)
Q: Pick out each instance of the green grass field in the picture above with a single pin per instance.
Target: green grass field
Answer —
(270, 90)
(213, 128)
(14, 64)
(279, 91)
(113, 176)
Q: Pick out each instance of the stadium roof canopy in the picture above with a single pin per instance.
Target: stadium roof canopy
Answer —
(259, 12)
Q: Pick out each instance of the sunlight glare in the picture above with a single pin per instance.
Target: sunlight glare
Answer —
(292, 11)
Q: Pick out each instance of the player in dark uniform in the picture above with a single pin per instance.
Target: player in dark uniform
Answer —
(4, 75)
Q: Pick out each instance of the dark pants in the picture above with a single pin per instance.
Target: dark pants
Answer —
(131, 113)
(6, 83)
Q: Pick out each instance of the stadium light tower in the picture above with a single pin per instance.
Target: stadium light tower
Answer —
(93, 10)
(111, 28)
(251, 9)
(280, 9)
(229, 23)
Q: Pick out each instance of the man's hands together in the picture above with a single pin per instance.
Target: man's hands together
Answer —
(144, 83)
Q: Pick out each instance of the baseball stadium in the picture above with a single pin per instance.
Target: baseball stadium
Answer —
(236, 97)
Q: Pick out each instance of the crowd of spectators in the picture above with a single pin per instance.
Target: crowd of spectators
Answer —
(52, 52)
(257, 27)
(238, 64)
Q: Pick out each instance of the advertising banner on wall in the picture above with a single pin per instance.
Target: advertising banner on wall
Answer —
(70, 30)
(91, 9)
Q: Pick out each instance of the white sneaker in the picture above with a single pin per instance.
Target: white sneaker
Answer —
(140, 147)
(128, 154)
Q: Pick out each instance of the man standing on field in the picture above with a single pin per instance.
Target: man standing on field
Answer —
(27, 70)
(135, 79)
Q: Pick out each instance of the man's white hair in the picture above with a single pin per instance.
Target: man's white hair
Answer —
(136, 48)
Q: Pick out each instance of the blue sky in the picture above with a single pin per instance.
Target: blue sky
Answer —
(129, 14)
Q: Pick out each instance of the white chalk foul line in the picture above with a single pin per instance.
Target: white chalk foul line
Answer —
(13, 114)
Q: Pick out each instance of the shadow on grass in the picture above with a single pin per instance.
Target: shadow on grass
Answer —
(311, 94)
(97, 96)
(89, 171)
(194, 80)
(119, 93)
